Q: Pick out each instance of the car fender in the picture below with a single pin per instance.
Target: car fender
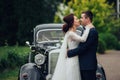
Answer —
(29, 71)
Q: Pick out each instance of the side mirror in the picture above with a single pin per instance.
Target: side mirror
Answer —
(28, 43)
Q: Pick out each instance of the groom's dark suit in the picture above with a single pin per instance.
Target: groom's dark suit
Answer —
(87, 54)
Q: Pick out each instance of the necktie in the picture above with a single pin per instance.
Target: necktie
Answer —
(82, 30)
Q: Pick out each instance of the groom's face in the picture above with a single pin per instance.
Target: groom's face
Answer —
(83, 19)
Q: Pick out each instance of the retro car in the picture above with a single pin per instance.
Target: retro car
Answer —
(45, 49)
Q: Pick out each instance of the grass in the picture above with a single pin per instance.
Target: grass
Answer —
(9, 74)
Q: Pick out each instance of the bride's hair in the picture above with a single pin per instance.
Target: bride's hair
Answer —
(69, 19)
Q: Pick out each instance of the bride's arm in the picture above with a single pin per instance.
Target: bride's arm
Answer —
(82, 38)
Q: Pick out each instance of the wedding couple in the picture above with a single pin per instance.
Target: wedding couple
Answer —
(77, 59)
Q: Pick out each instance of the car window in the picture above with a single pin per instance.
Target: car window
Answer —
(49, 35)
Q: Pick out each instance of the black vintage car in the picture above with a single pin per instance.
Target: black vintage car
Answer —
(44, 54)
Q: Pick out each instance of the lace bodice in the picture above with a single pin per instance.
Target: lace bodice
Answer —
(73, 39)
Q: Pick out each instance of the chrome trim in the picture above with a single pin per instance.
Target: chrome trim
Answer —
(49, 41)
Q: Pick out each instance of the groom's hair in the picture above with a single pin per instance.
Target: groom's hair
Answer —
(88, 14)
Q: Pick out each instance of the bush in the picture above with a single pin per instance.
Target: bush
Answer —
(101, 46)
(12, 61)
(15, 59)
(118, 46)
(3, 64)
(109, 39)
(12, 57)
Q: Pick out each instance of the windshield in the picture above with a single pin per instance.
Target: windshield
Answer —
(49, 35)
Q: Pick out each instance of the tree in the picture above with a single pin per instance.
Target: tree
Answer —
(100, 8)
(19, 17)
(8, 23)
(31, 13)
(104, 18)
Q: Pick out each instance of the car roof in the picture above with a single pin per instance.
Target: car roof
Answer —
(49, 26)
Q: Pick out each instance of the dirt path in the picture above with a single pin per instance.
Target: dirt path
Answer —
(111, 63)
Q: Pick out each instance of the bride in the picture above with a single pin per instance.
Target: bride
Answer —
(68, 68)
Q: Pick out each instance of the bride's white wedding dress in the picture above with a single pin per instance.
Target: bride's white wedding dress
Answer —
(68, 68)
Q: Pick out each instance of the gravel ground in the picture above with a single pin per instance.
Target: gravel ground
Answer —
(111, 63)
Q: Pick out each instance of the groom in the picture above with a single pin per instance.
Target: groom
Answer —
(87, 50)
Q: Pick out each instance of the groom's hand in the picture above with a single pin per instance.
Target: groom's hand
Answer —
(67, 53)
(70, 53)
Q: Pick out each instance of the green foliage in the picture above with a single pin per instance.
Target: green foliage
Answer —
(9, 74)
(13, 57)
(62, 10)
(118, 46)
(100, 9)
(19, 17)
(13, 60)
(110, 40)
(21, 50)
(104, 19)
(101, 46)
(3, 64)
(113, 27)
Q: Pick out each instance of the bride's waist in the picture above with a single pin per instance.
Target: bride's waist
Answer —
(72, 58)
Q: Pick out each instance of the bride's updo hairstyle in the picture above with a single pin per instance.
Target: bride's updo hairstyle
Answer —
(69, 19)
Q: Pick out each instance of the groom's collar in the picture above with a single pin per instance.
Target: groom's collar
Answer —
(89, 25)
(83, 27)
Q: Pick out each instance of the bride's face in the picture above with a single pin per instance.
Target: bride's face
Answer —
(76, 21)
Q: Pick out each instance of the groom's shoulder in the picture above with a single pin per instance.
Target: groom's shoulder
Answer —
(93, 31)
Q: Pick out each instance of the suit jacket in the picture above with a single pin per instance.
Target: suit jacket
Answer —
(87, 51)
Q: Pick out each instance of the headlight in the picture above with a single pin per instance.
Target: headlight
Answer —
(39, 59)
